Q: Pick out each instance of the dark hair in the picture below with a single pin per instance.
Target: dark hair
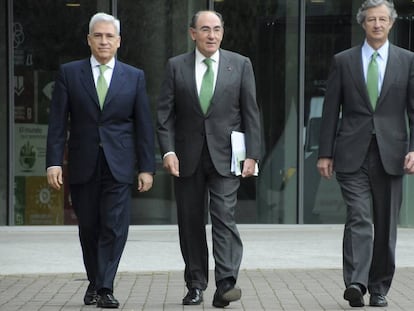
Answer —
(196, 16)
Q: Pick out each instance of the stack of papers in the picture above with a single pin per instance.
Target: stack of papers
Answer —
(238, 154)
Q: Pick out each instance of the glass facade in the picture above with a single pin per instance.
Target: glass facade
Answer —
(4, 114)
(290, 43)
(329, 29)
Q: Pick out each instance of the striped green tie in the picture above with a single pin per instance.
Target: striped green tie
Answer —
(101, 85)
(206, 91)
(372, 79)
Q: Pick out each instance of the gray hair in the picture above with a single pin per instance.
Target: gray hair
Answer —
(103, 17)
(372, 4)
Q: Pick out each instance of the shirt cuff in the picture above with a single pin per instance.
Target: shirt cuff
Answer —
(168, 153)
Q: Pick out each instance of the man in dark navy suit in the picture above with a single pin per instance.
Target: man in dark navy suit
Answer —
(111, 138)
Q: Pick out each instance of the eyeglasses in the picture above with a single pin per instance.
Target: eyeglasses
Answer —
(208, 30)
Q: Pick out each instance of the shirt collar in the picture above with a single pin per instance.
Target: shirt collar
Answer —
(367, 50)
(200, 57)
(95, 63)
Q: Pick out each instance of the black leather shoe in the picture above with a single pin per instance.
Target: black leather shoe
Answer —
(225, 293)
(377, 300)
(107, 301)
(354, 295)
(90, 296)
(193, 297)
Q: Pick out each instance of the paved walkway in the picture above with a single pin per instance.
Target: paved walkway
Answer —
(284, 268)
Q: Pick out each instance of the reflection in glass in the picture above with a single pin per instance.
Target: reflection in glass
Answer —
(39, 49)
(268, 34)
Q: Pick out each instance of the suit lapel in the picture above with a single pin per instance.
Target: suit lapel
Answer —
(225, 70)
(88, 82)
(188, 75)
(357, 73)
(117, 81)
(390, 74)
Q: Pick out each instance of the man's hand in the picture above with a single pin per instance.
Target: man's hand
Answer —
(145, 181)
(171, 164)
(409, 163)
(55, 177)
(248, 168)
(325, 167)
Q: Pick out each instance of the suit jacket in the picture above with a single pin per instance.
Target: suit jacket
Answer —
(123, 128)
(182, 126)
(347, 141)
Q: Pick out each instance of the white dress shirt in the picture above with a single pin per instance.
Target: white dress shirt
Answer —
(108, 72)
(201, 67)
(382, 58)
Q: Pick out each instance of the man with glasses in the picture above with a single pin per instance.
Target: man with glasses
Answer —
(206, 94)
(371, 87)
(103, 102)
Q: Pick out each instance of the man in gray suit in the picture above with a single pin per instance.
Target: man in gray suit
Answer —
(371, 88)
(194, 136)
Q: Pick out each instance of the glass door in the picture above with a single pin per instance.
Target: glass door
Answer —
(268, 33)
(46, 34)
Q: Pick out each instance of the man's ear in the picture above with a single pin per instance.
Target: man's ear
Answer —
(192, 31)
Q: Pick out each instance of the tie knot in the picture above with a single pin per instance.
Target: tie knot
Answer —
(374, 56)
(102, 68)
(208, 62)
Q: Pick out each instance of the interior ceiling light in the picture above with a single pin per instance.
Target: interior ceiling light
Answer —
(72, 3)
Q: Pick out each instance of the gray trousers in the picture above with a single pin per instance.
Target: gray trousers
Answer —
(373, 200)
(203, 190)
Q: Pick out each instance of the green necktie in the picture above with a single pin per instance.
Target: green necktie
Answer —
(372, 79)
(101, 85)
(206, 91)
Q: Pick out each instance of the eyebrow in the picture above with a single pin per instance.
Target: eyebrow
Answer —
(208, 27)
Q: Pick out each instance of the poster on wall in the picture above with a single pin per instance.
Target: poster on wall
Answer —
(36, 202)
(23, 94)
(30, 149)
(43, 204)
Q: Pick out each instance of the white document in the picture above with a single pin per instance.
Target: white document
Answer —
(238, 153)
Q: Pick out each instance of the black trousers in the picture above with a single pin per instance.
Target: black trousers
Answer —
(102, 207)
(373, 200)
